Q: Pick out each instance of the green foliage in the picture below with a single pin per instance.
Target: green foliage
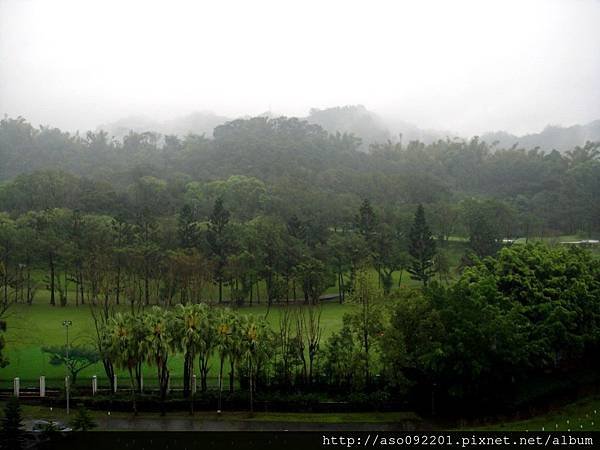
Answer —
(343, 366)
(288, 166)
(365, 326)
(412, 345)
(187, 228)
(421, 248)
(366, 221)
(280, 205)
(158, 341)
(483, 220)
(3, 358)
(219, 241)
(531, 310)
(79, 357)
(558, 289)
(83, 421)
(12, 435)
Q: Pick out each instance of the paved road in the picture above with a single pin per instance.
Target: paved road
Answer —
(197, 424)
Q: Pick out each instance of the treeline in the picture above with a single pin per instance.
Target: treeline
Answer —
(287, 167)
(147, 259)
(531, 313)
(508, 332)
(162, 261)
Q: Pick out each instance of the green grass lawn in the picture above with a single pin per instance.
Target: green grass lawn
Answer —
(583, 415)
(31, 327)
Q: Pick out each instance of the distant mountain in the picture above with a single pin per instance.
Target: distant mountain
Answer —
(198, 123)
(355, 119)
(370, 127)
(121, 127)
(367, 125)
(552, 137)
(409, 132)
(351, 119)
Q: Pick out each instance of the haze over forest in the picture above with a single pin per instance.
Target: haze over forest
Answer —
(339, 206)
(370, 127)
(462, 68)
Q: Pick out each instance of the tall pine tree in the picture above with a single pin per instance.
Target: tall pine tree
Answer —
(421, 248)
(187, 228)
(366, 221)
(12, 435)
(218, 240)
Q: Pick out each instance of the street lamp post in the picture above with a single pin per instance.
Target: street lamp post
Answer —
(67, 324)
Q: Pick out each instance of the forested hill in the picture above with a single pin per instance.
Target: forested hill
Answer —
(552, 137)
(287, 166)
(352, 119)
(370, 127)
(199, 122)
(356, 120)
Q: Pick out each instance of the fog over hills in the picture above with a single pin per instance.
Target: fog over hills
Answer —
(369, 126)
(551, 137)
(351, 119)
(199, 122)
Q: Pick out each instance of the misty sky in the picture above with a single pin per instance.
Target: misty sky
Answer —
(465, 66)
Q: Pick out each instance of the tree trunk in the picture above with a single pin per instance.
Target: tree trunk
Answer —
(251, 291)
(52, 299)
(81, 286)
(203, 372)
(5, 281)
(186, 375)
(29, 299)
(231, 375)
(366, 343)
(118, 287)
(251, 389)
(221, 382)
(131, 380)
(138, 377)
(294, 290)
(163, 378)
(110, 373)
(146, 286)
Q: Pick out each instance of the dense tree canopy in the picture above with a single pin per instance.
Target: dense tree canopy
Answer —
(531, 311)
(278, 211)
(290, 167)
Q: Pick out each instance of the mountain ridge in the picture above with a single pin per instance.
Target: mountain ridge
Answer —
(367, 125)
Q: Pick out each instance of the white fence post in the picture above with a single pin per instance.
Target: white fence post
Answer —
(42, 386)
(115, 384)
(194, 384)
(94, 385)
(16, 386)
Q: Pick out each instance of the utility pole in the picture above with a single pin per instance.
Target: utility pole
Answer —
(67, 324)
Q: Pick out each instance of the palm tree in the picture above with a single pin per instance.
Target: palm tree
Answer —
(256, 335)
(157, 343)
(225, 324)
(124, 333)
(236, 351)
(188, 337)
(206, 342)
